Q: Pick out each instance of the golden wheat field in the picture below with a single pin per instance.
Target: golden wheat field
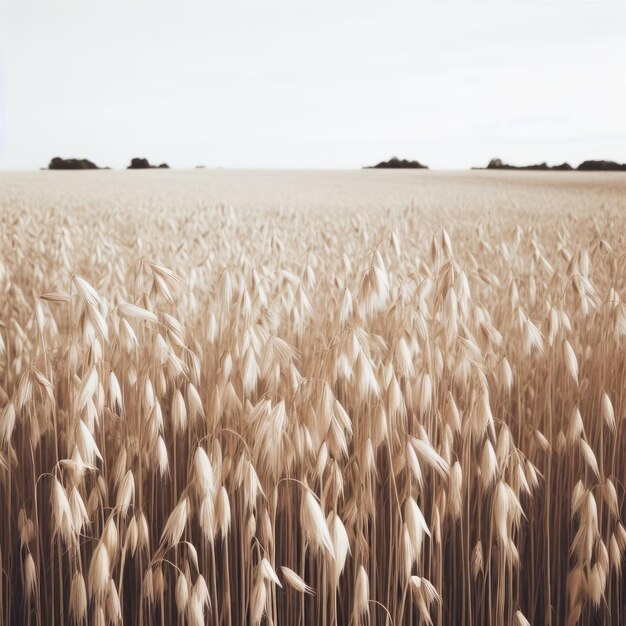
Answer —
(312, 398)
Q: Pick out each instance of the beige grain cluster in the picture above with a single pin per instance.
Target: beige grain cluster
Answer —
(227, 416)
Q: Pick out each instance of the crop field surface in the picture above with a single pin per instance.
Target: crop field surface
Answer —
(303, 398)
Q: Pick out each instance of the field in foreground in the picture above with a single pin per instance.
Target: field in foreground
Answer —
(312, 398)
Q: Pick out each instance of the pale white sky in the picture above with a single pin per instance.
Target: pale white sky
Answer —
(315, 84)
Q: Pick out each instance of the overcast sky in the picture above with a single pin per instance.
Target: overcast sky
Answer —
(316, 84)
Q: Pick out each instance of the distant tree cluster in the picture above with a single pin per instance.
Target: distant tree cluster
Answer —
(396, 163)
(497, 164)
(144, 164)
(588, 166)
(602, 166)
(58, 163)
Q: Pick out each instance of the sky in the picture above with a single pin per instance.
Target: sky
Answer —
(315, 84)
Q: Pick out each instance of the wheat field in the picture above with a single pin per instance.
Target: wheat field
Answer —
(312, 398)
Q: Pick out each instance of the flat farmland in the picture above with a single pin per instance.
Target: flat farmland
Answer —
(312, 397)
